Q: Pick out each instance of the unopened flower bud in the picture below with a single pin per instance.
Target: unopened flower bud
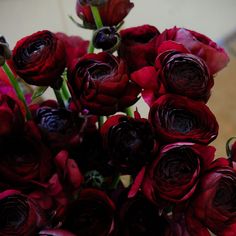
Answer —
(92, 2)
(5, 52)
(107, 39)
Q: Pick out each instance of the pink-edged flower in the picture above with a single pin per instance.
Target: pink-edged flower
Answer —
(175, 173)
(198, 44)
(112, 12)
(176, 118)
(20, 215)
(102, 85)
(91, 214)
(40, 58)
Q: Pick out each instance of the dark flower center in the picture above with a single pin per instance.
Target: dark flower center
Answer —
(100, 71)
(35, 47)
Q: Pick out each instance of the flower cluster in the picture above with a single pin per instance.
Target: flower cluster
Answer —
(86, 164)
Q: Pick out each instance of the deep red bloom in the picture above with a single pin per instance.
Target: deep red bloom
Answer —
(40, 58)
(128, 141)
(200, 45)
(102, 85)
(214, 203)
(175, 173)
(91, 214)
(176, 118)
(112, 12)
(20, 215)
(138, 46)
(55, 232)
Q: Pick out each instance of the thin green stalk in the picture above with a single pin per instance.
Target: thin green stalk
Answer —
(65, 90)
(59, 98)
(129, 111)
(100, 121)
(91, 47)
(96, 17)
(17, 88)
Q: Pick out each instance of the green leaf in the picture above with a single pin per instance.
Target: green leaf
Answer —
(39, 91)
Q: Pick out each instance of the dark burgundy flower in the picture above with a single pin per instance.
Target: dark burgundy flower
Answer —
(128, 141)
(11, 117)
(138, 46)
(182, 72)
(91, 214)
(176, 118)
(175, 173)
(5, 52)
(101, 84)
(61, 127)
(75, 47)
(55, 232)
(40, 58)
(200, 45)
(214, 204)
(25, 161)
(139, 217)
(112, 12)
(19, 215)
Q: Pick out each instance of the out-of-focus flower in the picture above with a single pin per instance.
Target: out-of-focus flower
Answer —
(40, 59)
(128, 141)
(200, 45)
(112, 12)
(20, 215)
(176, 118)
(91, 214)
(5, 52)
(102, 85)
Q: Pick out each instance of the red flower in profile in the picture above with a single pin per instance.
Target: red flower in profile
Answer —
(112, 12)
(40, 59)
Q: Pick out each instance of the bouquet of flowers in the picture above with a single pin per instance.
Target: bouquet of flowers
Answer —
(89, 164)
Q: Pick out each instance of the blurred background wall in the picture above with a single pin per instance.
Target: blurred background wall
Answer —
(215, 18)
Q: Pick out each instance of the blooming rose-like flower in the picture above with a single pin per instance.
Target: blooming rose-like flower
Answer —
(61, 127)
(139, 217)
(101, 84)
(40, 58)
(91, 214)
(19, 215)
(176, 118)
(138, 46)
(11, 117)
(128, 141)
(200, 45)
(112, 12)
(25, 161)
(214, 204)
(175, 173)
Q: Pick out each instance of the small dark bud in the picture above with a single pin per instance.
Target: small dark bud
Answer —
(5, 52)
(107, 39)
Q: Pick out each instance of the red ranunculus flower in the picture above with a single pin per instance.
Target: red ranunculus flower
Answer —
(112, 12)
(198, 44)
(176, 118)
(55, 232)
(138, 46)
(128, 141)
(25, 161)
(20, 215)
(175, 173)
(11, 117)
(75, 47)
(139, 217)
(91, 214)
(102, 85)
(40, 59)
(214, 204)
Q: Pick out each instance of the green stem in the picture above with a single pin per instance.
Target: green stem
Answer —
(91, 47)
(129, 111)
(64, 88)
(96, 17)
(59, 98)
(17, 88)
(100, 121)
